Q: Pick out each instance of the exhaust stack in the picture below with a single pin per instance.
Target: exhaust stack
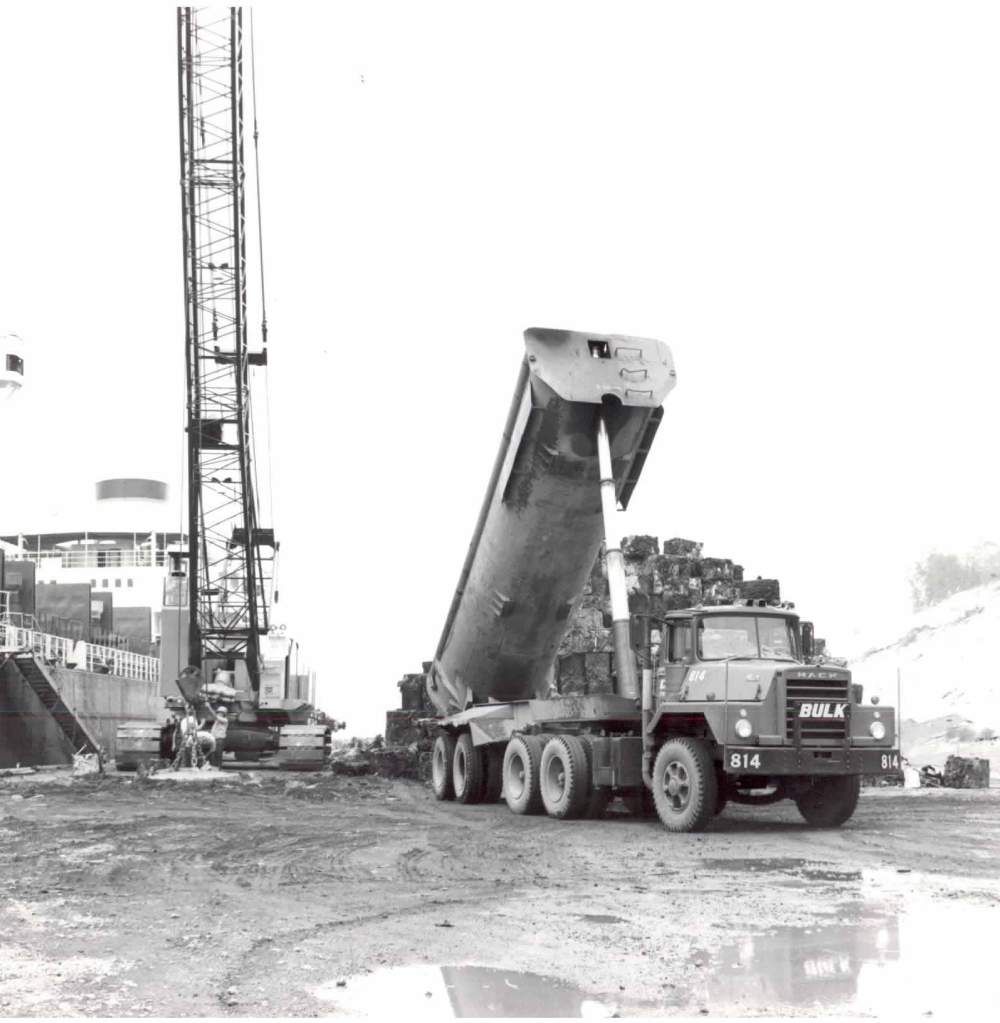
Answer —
(628, 684)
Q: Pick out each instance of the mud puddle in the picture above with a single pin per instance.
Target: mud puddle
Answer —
(810, 870)
(888, 965)
(437, 992)
(601, 918)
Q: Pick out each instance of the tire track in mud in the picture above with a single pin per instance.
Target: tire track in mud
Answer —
(274, 890)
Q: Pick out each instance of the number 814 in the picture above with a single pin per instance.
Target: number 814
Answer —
(744, 760)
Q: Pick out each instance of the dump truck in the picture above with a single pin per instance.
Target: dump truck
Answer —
(710, 704)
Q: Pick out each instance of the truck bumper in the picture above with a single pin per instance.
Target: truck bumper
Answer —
(791, 760)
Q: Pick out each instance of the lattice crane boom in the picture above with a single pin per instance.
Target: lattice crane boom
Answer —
(230, 556)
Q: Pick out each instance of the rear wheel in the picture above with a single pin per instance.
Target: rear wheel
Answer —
(468, 771)
(521, 762)
(441, 763)
(563, 775)
(829, 802)
(684, 785)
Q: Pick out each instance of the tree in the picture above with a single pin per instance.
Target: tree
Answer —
(939, 576)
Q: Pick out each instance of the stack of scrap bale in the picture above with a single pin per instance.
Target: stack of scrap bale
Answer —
(402, 726)
(657, 582)
(966, 773)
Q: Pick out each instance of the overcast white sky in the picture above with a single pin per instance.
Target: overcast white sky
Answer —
(800, 199)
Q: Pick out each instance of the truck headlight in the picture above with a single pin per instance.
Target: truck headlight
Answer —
(877, 730)
(744, 729)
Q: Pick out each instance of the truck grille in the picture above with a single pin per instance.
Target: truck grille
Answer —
(817, 731)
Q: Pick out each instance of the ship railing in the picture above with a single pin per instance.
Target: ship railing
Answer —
(16, 618)
(58, 651)
(96, 558)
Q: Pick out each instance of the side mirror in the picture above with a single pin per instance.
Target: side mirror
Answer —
(807, 640)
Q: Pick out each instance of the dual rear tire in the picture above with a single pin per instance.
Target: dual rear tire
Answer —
(522, 761)
(463, 771)
(551, 777)
(533, 775)
(564, 778)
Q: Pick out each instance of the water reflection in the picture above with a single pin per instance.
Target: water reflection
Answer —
(902, 963)
(436, 992)
(799, 966)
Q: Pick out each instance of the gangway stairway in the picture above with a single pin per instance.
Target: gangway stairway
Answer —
(35, 674)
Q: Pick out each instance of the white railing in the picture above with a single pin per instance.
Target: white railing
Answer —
(67, 653)
(96, 558)
(17, 618)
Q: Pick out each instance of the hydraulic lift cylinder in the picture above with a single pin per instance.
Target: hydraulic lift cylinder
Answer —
(628, 684)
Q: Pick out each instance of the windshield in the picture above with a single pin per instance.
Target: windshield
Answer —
(761, 636)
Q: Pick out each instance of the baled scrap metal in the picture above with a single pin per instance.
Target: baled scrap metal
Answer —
(686, 548)
(640, 547)
(657, 581)
(677, 578)
(966, 773)
(412, 689)
(761, 589)
(404, 726)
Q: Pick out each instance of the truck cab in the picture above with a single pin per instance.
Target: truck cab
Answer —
(740, 677)
(742, 647)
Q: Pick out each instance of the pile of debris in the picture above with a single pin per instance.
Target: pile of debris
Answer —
(959, 773)
(375, 756)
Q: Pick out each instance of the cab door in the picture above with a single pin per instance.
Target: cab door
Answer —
(676, 660)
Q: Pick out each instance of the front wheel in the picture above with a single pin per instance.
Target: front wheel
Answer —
(829, 802)
(684, 785)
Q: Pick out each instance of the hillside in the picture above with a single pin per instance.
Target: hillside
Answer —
(947, 659)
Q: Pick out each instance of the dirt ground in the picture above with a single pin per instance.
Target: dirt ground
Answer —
(254, 894)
